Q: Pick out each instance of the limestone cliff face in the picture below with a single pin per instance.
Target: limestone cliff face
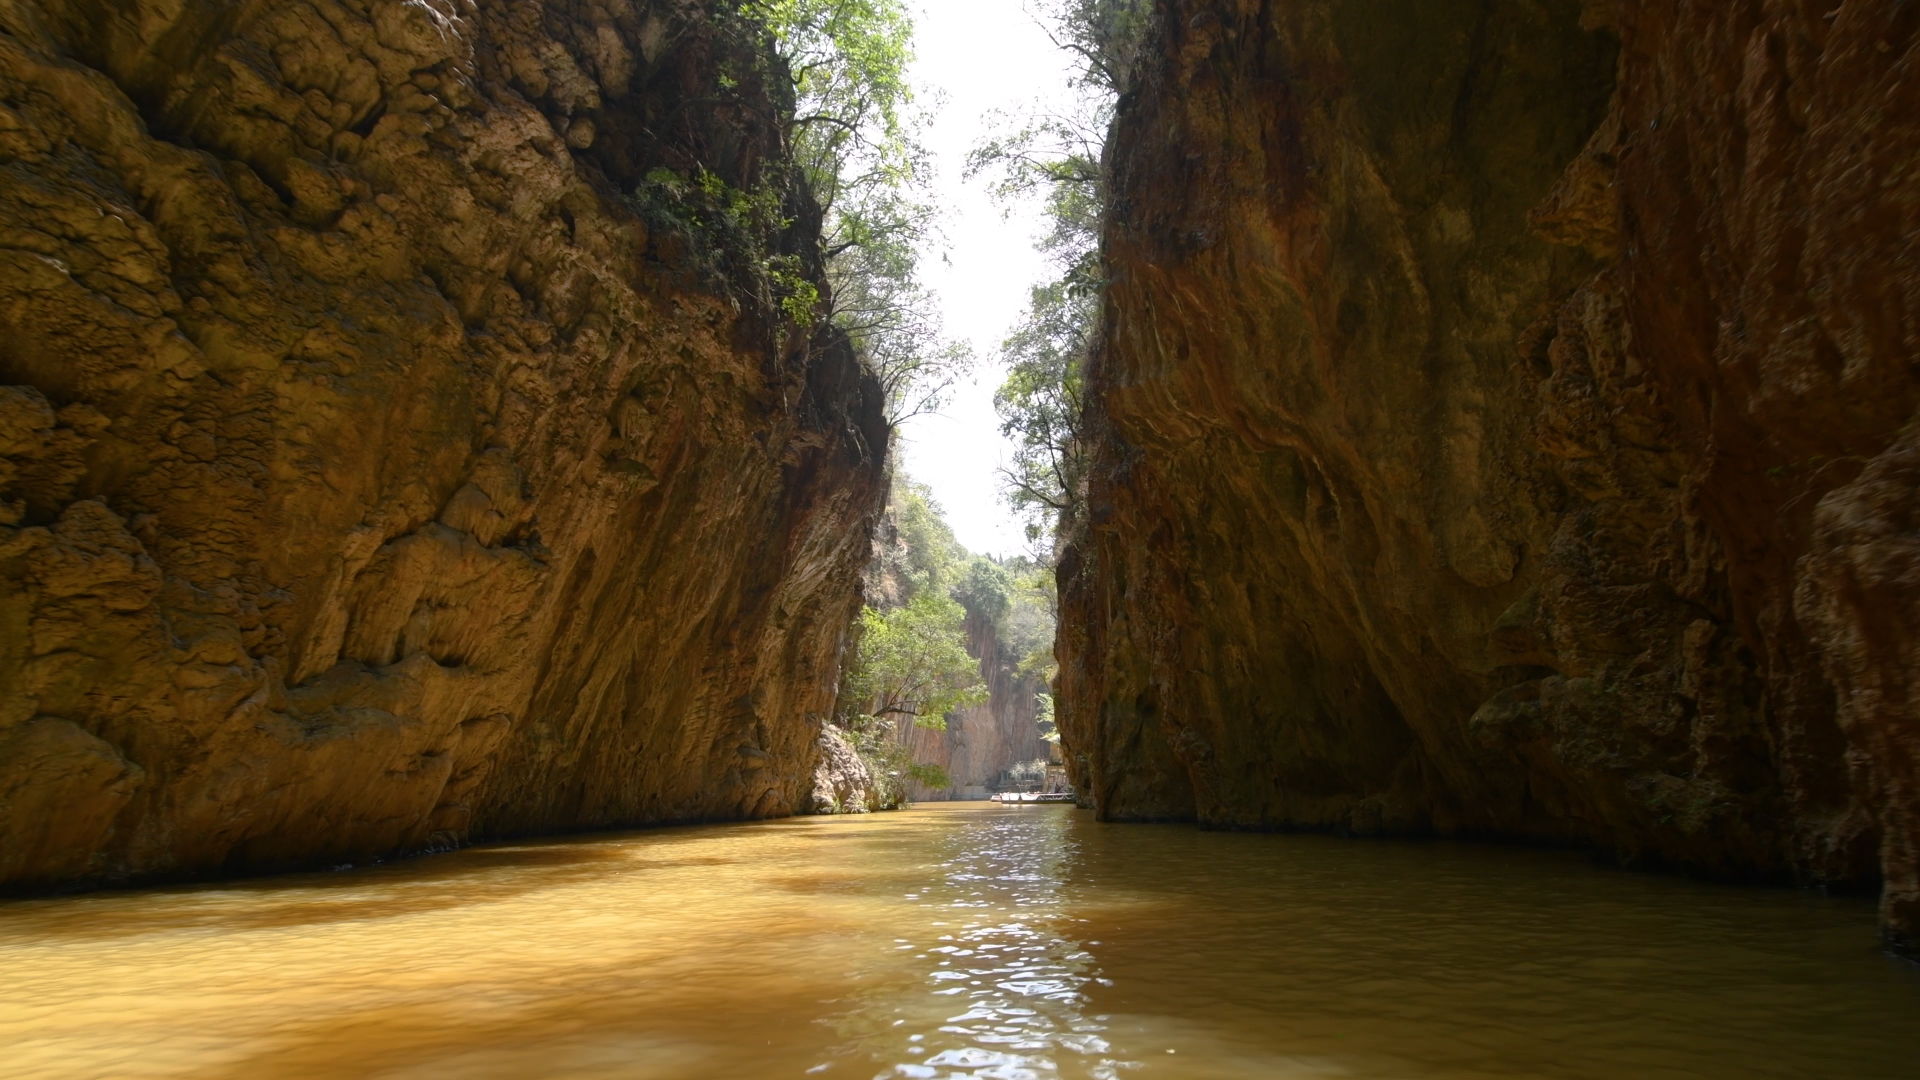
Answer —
(982, 741)
(1505, 424)
(381, 468)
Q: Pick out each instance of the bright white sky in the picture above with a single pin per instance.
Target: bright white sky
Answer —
(979, 56)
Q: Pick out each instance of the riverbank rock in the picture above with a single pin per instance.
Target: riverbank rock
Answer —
(390, 455)
(1504, 425)
(841, 782)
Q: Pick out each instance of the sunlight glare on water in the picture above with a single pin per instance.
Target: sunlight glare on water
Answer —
(956, 941)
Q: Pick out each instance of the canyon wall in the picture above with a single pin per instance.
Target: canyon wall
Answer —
(396, 449)
(1504, 424)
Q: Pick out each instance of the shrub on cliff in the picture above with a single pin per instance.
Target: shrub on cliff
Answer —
(848, 126)
(915, 550)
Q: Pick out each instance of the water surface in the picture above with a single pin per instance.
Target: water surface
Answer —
(956, 941)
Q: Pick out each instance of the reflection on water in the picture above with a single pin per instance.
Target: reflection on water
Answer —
(950, 942)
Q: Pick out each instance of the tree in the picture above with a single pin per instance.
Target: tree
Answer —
(1058, 156)
(1041, 402)
(1105, 35)
(1027, 631)
(985, 589)
(912, 663)
(853, 137)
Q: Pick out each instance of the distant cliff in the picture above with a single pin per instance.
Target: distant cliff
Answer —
(982, 741)
(389, 459)
(1504, 424)
(1007, 616)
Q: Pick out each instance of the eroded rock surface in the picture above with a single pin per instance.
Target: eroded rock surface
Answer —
(381, 469)
(842, 784)
(1505, 425)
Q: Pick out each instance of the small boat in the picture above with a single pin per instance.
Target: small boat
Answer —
(1032, 797)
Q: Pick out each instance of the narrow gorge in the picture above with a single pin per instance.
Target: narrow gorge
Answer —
(1462, 448)
(959, 539)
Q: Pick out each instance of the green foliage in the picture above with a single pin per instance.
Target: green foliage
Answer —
(851, 141)
(1017, 595)
(913, 646)
(848, 60)
(985, 589)
(1057, 157)
(913, 662)
(1026, 634)
(732, 231)
(1037, 662)
(1042, 400)
(888, 762)
(1044, 718)
(910, 664)
(918, 552)
(1105, 34)
(929, 775)
(853, 137)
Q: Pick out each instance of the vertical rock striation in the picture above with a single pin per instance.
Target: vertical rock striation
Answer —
(387, 459)
(1504, 424)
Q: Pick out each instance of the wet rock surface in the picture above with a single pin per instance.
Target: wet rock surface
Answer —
(1504, 425)
(378, 470)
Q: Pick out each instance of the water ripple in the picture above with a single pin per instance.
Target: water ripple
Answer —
(957, 942)
(1015, 960)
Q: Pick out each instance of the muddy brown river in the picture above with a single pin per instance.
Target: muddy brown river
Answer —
(957, 941)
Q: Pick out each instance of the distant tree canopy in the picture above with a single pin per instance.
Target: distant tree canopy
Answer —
(917, 551)
(985, 588)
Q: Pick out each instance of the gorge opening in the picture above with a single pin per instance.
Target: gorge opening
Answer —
(1434, 484)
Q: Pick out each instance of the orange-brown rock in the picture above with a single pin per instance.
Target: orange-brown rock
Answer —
(384, 464)
(1505, 425)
